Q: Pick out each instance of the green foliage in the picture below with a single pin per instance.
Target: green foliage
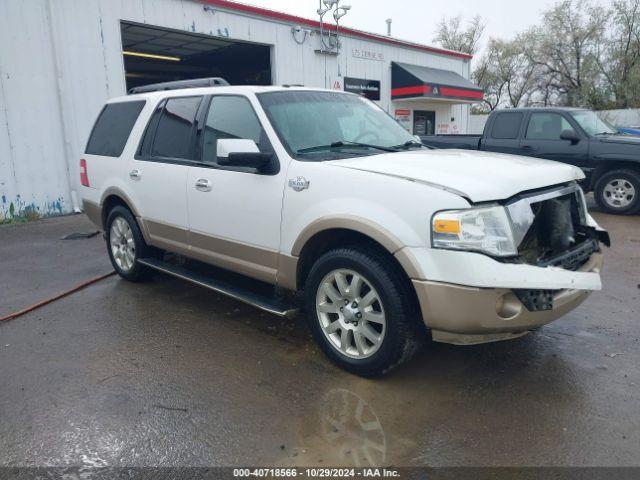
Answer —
(20, 214)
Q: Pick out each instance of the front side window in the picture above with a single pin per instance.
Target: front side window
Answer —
(592, 123)
(174, 137)
(231, 117)
(547, 126)
(311, 124)
(113, 127)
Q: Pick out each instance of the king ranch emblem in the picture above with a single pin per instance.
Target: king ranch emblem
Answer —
(299, 183)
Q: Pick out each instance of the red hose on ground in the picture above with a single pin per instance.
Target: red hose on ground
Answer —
(11, 316)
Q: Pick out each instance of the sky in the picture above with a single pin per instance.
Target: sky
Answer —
(415, 20)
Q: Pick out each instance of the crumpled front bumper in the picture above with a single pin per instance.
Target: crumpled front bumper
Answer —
(469, 298)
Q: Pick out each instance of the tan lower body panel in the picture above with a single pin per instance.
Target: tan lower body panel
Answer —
(254, 262)
(162, 232)
(248, 260)
(288, 272)
(467, 315)
(93, 211)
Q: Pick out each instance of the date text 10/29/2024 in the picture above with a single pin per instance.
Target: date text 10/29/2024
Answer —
(316, 472)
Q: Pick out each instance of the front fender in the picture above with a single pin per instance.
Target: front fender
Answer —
(394, 212)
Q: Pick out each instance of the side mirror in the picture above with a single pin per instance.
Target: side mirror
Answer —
(240, 152)
(570, 135)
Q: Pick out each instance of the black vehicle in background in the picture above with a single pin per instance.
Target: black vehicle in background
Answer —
(610, 161)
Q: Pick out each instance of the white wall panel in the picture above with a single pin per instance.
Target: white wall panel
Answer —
(34, 178)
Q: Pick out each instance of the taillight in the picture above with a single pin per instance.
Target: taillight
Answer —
(84, 177)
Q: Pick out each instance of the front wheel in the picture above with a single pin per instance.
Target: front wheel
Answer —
(362, 310)
(618, 192)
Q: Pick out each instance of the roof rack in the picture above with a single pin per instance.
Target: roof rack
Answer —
(193, 83)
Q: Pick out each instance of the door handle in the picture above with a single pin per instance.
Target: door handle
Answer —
(135, 174)
(203, 185)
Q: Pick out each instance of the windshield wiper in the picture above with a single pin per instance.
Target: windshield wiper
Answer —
(606, 133)
(408, 144)
(345, 143)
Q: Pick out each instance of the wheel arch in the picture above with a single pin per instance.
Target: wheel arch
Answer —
(113, 197)
(607, 166)
(329, 233)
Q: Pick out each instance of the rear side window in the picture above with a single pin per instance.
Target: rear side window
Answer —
(175, 133)
(113, 127)
(507, 126)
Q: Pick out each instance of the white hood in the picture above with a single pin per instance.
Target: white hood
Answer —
(478, 176)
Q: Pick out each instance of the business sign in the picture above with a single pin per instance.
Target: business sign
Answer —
(442, 129)
(367, 54)
(367, 88)
(403, 117)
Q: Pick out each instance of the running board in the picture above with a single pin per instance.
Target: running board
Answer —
(268, 303)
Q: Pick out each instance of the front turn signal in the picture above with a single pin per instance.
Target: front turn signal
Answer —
(446, 226)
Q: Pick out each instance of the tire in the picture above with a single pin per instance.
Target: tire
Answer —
(123, 235)
(330, 315)
(618, 192)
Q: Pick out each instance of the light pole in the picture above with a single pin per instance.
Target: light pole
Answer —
(324, 7)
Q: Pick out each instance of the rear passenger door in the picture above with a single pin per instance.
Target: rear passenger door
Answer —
(542, 139)
(158, 173)
(235, 220)
(504, 133)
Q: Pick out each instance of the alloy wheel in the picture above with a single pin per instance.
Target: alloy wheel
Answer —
(351, 313)
(123, 246)
(619, 193)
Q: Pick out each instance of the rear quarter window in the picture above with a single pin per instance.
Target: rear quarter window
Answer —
(507, 126)
(113, 127)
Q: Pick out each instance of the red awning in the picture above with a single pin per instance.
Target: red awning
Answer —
(412, 81)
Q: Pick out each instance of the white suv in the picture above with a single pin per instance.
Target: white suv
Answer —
(322, 192)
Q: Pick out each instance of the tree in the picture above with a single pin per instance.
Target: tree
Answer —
(566, 47)
(486, 75)
(506, 74)
(581, 54)
(452, 35)
(619, 61)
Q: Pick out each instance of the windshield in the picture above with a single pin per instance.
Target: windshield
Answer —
(592, 123)
(330, 125)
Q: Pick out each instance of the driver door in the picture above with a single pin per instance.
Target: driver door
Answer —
(234, 213)
(542, 140)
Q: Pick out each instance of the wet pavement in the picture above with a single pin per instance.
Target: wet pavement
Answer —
(165, 373)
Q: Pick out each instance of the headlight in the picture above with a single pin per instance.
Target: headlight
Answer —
(480, 229)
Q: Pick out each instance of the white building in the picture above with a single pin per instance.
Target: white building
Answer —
(61, 59)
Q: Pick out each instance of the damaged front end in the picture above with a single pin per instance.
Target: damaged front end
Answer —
(552, 229)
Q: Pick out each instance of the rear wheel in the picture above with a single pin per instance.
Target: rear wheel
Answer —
(618, 192)
(126, 245)
(362, 310)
